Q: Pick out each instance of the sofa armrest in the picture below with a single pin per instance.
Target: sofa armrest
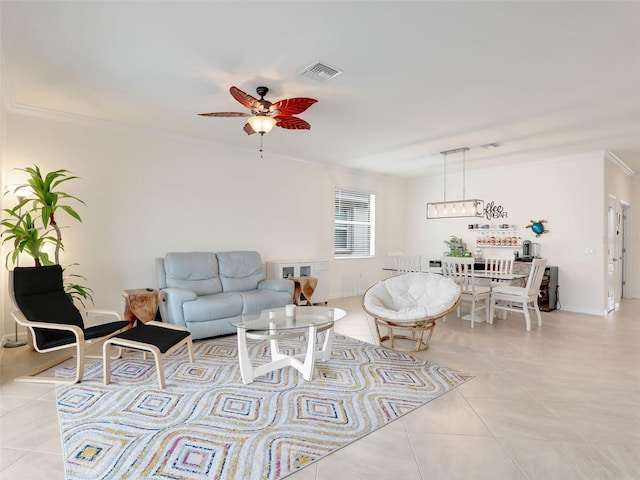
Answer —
(161, 273)
(171, 301)
(277, 285)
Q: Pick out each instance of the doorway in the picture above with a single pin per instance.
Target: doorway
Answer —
(611, 254)
(624, 250)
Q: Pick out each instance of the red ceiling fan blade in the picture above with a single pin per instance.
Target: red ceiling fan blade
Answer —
(292, 106)
(225, 114)
(292, 123)
(244, 98)
(248, 129)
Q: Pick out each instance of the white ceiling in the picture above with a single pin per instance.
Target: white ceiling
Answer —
(544, 79)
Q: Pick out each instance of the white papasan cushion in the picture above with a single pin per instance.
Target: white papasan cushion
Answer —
(412, 296)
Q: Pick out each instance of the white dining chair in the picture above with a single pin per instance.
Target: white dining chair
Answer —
(408, 263)
(461, 271)
(520, 299)
(498, 266)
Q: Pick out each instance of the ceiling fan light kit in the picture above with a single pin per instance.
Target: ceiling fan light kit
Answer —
(281, 113)
(455, 208)
(265, 115)
(262, 123)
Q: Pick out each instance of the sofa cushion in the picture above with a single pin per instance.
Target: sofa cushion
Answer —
(213, 307)
(257, 300)
(240, 271)
(195, 271)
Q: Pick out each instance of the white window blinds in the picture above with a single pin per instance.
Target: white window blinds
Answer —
(354, 234)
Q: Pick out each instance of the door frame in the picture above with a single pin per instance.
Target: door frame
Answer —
(625, 244)
(610, 279)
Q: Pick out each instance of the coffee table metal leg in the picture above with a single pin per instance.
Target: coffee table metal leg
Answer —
(310, 356)
(246, 370)
(279, 359)
(273, 343)
(327, 346)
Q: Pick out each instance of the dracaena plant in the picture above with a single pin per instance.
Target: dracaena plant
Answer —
(21, 229)
(32, 223)
(47, 200)
(74, 290)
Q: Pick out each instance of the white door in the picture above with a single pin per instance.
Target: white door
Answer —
(623, 265)
(611, 255)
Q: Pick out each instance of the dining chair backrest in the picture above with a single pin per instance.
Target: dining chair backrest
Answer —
(460, 269)
(392, 261)
(535, 276)
(499, 265)
(408, 263)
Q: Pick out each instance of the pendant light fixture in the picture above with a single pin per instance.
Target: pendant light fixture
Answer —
(455, 208)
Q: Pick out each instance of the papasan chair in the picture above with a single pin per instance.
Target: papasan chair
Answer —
(410, 304)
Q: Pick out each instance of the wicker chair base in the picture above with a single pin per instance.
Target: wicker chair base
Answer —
(417, 334)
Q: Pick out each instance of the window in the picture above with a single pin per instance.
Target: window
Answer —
(354, 234)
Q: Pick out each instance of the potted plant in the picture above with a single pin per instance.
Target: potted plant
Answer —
(457, 247)
(31, 224)
(26, 236)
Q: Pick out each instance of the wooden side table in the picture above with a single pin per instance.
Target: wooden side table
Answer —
(304, 285)
(140, 304)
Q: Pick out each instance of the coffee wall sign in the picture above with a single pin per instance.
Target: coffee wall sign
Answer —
(491, 210)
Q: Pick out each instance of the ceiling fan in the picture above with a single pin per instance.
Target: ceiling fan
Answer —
(265, 115)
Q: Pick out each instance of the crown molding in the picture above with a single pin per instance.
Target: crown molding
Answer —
(613, 158)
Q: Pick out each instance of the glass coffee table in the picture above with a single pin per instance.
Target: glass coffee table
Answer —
(274, 324)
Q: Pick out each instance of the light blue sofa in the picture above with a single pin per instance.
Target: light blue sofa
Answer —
(204, 291)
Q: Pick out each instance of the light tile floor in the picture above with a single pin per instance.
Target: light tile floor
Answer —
(559, 402)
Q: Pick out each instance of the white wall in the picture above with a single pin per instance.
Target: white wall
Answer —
(567, 192)
(634, 236)
(617, 186)
(3, 137)
(148, 194)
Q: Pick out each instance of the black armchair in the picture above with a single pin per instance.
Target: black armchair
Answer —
(54, 321)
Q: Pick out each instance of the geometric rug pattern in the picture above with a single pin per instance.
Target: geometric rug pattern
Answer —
(206, 424)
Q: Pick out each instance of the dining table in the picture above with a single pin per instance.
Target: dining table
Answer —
(486, 275)
(483, 278)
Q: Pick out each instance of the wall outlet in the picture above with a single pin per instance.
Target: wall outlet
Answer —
(589, 250)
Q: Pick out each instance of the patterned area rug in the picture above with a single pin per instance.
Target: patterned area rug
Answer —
(207, 424)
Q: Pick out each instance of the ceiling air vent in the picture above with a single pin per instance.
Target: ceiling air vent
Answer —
(320, 71)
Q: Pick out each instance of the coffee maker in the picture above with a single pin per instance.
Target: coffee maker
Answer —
(530, 251)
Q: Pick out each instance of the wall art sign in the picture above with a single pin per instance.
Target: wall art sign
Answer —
(491, 210)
